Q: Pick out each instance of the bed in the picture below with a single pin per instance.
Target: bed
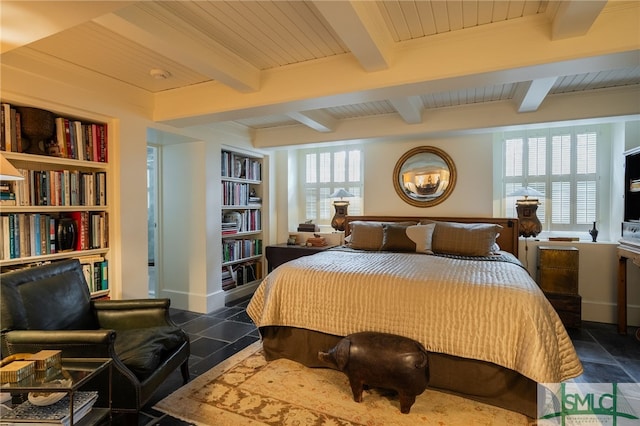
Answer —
(453, 284)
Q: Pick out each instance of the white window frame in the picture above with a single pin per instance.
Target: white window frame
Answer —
(544, 182)
(314, 196)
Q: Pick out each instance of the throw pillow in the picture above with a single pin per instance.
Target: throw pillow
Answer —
(365, 235)
(466, 239)
(394, 238)
(422, 235)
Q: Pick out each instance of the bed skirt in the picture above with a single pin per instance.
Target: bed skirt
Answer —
(478, 380)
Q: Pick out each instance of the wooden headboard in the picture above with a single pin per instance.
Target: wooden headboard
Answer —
(507, 240)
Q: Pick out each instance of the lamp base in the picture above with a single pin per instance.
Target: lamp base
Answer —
(340, 218)
(530, 225)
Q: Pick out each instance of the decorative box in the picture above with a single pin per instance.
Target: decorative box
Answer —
(16, 371)
(46, 359)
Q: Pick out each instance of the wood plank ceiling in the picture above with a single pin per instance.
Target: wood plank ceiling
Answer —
(237, 43)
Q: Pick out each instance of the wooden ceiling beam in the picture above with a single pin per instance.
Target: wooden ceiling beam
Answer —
(574, 18)
(409, 108)
(361, 27)
(317, 120)
(530, 94)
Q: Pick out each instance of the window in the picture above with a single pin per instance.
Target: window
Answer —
(325, 170)
(562, 164)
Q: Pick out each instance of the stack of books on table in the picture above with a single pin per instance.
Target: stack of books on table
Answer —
(308, 227)
(27, 413)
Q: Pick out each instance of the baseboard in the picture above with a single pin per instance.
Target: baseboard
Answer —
(608, 313)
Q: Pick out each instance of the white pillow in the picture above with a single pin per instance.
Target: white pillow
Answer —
(421, 235)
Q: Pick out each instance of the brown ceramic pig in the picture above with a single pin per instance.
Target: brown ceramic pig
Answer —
(381, 360)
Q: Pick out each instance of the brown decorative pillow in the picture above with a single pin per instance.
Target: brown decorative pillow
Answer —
(394, 238)
(365, 235)
(467, 239)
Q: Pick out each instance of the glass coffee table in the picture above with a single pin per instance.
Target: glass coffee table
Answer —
(69, 379)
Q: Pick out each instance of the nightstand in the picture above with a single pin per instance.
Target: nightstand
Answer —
(558, 279)
(281, 253)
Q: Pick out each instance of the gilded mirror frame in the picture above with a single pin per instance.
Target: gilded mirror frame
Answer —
(424, 176)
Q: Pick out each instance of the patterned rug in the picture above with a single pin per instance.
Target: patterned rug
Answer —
(247, 390)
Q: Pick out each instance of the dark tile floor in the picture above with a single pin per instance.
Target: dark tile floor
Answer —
(606, 356)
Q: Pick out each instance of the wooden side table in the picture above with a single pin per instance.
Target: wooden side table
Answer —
(558, 279)
(281, 253)
(624, 253)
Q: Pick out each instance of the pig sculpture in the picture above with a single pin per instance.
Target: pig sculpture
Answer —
(381, 360)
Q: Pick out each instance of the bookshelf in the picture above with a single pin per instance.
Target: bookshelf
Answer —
(65, 167)
(242, 220)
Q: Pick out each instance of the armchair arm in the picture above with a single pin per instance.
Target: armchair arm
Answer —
(72, 343)
(132, 313)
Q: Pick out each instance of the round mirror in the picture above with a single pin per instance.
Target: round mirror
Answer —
(424, 176)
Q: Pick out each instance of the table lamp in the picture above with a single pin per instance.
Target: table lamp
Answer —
(526, 208)
(341, 207)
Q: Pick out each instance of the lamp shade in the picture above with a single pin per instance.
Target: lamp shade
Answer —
(342, 193)
(526, 191)
(7, 171)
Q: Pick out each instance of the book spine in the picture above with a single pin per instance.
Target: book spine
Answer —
(18, 131)
(35, 238)
(14, 142)
(61, 138)
(79, 142)
(52, 235)
(104, 275)
(67, 138)
(6, 237)
(6, 112)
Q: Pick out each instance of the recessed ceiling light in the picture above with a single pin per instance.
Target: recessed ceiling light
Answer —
(159, 74)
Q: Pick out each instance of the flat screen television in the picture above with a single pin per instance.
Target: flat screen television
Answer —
(632, 183)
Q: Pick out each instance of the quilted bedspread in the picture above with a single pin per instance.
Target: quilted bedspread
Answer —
(485, 310)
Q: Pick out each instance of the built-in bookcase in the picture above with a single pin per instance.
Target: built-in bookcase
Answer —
(241, 228)
(65, 178)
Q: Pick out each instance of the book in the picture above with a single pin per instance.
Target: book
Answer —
(61, 138)
(308, 227)
(82, 223)
(104, 275)
(18, 133)
(28, 413)
(92, 270)
(3, 146)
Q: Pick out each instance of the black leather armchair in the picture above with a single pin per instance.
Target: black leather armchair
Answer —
(49, 307)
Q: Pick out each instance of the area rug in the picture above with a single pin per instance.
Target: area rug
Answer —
(247, 390)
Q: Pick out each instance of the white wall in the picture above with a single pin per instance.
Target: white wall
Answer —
(472, 195)
(182, 272)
